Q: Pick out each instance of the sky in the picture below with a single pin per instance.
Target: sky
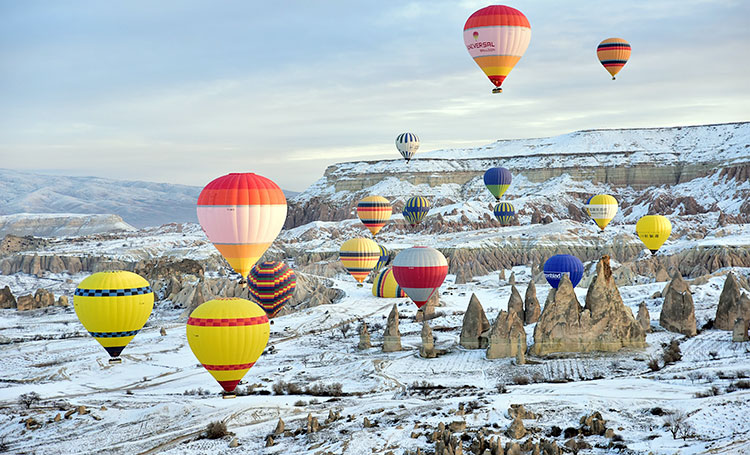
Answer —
(185, 91)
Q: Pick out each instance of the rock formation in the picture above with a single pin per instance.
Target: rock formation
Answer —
(644, 318)
(516, 429)
(475, 326)
(427, 350)
(502, 275)
(504, 336)
(7, 300)
(740, 332)
(730, 305)
(521, 351)
(427, 311)
(42, 298)
(532, 309)
(463, 276)
(364, 337)
(661, 274)
(678, 311)
(515, 303)
(512, 279)
(605, 324)
(392, 337)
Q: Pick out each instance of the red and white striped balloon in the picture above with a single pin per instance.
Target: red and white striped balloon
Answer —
(420, 271)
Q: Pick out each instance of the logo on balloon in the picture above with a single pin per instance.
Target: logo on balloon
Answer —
(476, 36)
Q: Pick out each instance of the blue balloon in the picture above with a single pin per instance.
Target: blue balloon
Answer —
(504, 212)
(561, 264)
(415, 210)
(497, 180)
(384, 259)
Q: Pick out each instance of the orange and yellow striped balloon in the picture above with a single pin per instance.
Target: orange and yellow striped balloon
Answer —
(242, 213)
(497, 37)
(228, 336)
(359, 256)
(374, 212)
(613, 54)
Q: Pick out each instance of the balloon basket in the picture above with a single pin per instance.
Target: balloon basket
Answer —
(115, 360)
(497, 90)
(228, 396)
(360, 285)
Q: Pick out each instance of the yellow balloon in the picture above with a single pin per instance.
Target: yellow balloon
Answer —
(113, 306)
(227, 337)
(653, 230)
(602, 208)
(359, 256)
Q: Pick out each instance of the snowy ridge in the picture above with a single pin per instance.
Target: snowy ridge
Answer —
(61, 224)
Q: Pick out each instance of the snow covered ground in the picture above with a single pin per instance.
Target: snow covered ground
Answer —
(141, 405)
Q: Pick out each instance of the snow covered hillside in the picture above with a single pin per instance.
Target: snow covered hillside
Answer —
(61, 224)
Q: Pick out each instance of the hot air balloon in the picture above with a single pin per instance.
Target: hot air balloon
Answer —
(420, 271)
(374, 212)
(242, 214)
(563, 264)
(602, 208)
(653, 230)
(227, 337)
(496, 38)
(359, 256)
(504, 212)
(586, 205)
(415, 210)
(385, 285)
(384, 259)
(113, 306)
(497, 180)
(271, 284)
(613, 54)
(407, 145)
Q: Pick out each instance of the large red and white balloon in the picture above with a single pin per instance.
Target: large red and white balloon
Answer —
(420, 271)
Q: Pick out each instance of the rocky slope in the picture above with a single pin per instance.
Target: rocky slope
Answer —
(61, 224)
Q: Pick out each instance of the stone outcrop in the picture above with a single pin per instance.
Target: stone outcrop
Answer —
(604, 324)
(427, 350)
(532, 310)
(463, 276)
(427, 311)
(392, 337)
(14, 244)
(521, 351)
(516, 429)
(512, 279)
(42, 298)
(7, 300)
(502, 275)
(731, 305)
(475, 326)
(661, 274)
(740, 332)
(515, 303)
(364, 337)
(504, 336)
(644, 318)
(678, 311)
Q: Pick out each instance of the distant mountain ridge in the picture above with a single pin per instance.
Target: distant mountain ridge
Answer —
(138, 203)
(61, 224)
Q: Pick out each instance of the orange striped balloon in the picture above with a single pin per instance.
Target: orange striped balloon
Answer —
(359, 257)
(613, 54)
(374, 212)
(241, 215)
(497, 37)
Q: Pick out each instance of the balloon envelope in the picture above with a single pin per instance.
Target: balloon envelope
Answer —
(613, 54)
(505, 213)
(374, 212)
(497, 180)
(385, 285)
(497, 37)
(653, 230)
(113, 306)
(602, 208)
(384, 259)
(359, 256)
(242, 214)
(271, 284)
(563, 264)
(407, 145)
(420, 271)
(416, 209)
(227, 337)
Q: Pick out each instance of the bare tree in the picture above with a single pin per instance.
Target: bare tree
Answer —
(677, 424)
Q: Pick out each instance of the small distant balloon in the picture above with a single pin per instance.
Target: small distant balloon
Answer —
(613, 54)
(407, 145)
(653, 230)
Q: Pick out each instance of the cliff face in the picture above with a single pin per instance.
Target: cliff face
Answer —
(617, 161)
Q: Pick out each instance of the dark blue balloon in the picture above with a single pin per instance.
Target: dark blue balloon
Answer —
(561, 264)
(497, 180)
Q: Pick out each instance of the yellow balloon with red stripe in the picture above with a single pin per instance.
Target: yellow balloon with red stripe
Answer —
(113, 306)
(374, 212)
(613, 54)
(359, 256)
(227, 337)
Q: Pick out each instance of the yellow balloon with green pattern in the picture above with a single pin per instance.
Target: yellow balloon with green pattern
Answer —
(227, 337)
(113, 306)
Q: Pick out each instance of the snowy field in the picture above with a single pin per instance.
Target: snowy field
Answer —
(150, 404)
